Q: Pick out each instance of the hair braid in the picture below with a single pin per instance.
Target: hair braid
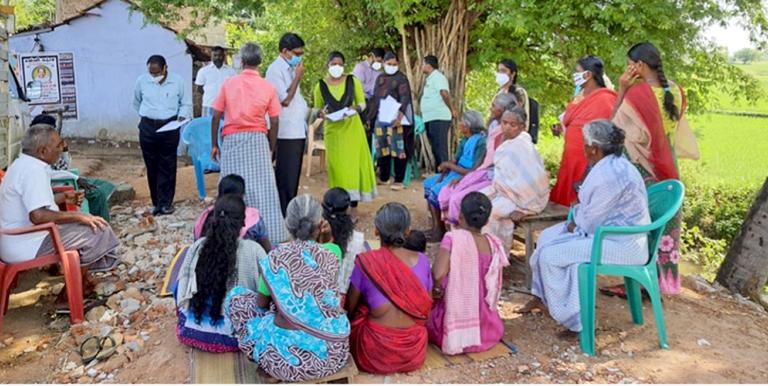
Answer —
(669, 98)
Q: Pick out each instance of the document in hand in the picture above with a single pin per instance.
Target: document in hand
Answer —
(388, 109)
(173, 125)
(341, 114)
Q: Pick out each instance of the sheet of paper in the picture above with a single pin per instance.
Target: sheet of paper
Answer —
(337, 115)
(388, 109)
(341, 114)
(171, 126)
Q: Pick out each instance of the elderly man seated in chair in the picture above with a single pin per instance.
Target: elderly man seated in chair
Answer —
(26, 199)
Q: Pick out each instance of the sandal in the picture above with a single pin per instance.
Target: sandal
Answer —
(88, 304)
(88, 354)
(621, 292)
(106, 352)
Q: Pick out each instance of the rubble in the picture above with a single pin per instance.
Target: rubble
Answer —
(129, 306)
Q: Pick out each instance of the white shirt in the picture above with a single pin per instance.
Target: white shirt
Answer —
(293, 119)
(25, 188)
(211, 78)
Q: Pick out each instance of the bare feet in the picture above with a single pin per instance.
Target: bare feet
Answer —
(533, 306)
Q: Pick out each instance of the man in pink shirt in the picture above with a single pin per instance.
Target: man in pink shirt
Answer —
(248, 143)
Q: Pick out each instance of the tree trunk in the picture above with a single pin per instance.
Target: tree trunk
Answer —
(745, 269)
(447, 39)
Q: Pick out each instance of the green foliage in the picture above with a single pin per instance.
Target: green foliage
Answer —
(546, 39)
(705, 252)
(317, 22)
(747, 55)
(717, 209)
(728, 101)
(34, 12)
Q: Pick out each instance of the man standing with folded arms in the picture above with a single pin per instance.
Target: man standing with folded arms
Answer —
(160, 97)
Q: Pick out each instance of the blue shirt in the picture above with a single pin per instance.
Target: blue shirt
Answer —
(162, 101)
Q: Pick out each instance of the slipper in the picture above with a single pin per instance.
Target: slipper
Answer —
(88, 304)
(89, 352)
(620, 291)
(104, 350)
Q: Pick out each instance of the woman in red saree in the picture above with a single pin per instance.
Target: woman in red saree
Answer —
(594, 102)
(389, 299)
(650, 108)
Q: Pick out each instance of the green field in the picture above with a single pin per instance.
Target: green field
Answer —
(734, 150)
(728, 102)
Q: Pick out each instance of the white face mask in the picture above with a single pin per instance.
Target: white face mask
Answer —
(390, 70)
(579, 78)
(501, 78)
(158, 79)
(376, 66)
(336, 70)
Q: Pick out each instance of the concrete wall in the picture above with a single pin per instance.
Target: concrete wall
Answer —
(111, 47)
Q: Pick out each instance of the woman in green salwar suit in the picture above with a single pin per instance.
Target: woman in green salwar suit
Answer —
(348, 159)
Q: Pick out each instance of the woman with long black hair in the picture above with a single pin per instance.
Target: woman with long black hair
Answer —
(216, 263)
(336, 206)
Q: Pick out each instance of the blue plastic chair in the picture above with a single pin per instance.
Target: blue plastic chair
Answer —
(197, 136)
(664, 201)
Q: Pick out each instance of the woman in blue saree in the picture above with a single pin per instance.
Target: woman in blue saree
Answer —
(294, 327)
(469, 154)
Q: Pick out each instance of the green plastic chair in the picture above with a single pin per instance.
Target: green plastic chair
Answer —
(664, 201)
(84, 206)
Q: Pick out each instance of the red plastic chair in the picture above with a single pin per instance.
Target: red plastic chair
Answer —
(70, 265)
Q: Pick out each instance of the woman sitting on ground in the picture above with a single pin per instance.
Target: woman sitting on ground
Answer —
(520, 184)
(389, 299)
(613, 194)
(468, 156)
(294, 326)
(451, 195)
(254, 228)
(467, 274)
(336, 206)
(217, 262)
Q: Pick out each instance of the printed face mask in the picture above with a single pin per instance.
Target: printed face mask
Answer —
(390, 70)
(579, 78)
(376, 66)
(336, 70)
(501, 78)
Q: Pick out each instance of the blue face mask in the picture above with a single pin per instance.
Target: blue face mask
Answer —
(294, 61)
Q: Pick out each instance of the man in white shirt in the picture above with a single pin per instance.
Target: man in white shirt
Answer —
(210, 78)
(285, 74)
(27, 199)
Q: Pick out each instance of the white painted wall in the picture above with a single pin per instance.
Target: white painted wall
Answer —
(111, 47)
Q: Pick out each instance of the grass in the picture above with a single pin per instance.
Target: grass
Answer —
(734, 150)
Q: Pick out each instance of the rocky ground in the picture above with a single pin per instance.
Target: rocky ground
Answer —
(714, 337)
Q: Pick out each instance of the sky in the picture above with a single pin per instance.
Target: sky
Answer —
(733, 36)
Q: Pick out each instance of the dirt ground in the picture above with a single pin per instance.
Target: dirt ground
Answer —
(713, 337)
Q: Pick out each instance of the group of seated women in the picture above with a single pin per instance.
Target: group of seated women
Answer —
(502, 163)
(300, 309)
